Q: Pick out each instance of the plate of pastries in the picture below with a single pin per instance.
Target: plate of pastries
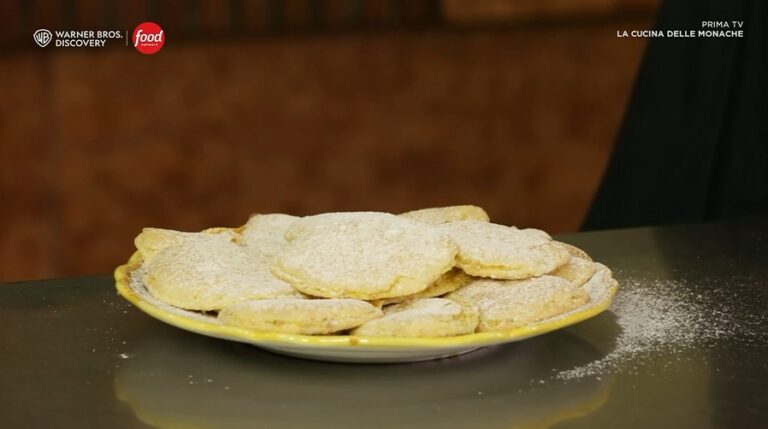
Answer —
(366, 287)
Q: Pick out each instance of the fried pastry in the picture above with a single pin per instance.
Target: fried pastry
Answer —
(601, 280)
(438, 215)
(446, 283)
(299, 316)
(265, 233)
(503, 252)
(427, 317)
(575, 251)
(576, 270)
(509, 304)
(209, 274)
(363, 255)
(153, 240)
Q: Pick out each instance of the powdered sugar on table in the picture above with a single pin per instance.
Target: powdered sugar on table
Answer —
(666, 317)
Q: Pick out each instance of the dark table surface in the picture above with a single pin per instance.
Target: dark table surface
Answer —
(74, 354)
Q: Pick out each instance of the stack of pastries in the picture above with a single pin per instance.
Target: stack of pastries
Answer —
(433, 272)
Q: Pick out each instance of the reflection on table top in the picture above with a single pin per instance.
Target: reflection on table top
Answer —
(76, 355)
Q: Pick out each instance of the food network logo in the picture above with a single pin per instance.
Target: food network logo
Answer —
(148, 38)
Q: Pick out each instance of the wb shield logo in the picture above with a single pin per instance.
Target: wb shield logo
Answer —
(42, 37)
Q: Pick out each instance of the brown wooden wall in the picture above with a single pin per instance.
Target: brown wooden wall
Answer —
(95, 144)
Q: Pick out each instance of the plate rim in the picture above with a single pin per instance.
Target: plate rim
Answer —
(122, 275)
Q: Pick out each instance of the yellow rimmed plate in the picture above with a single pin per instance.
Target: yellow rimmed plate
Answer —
(347, 348)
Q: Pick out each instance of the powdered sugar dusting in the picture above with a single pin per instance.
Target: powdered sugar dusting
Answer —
(137, 285)
(208, 274)
(510, 304)
(364, 255)
(669, 317)
(504, 252)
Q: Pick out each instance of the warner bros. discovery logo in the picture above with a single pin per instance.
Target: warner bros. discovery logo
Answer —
(42, 37)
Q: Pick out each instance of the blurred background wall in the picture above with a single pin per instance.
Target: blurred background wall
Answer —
(301, 106)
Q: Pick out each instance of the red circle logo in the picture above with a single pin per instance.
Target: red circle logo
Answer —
(148, 38)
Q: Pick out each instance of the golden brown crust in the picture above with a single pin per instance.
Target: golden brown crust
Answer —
(426, 317)
(299, 316)
(439, 215)
(447, 283)
(576, 270)
(575, 251)
(153, 240)
(510, 304)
